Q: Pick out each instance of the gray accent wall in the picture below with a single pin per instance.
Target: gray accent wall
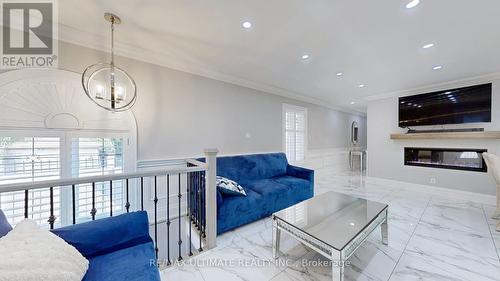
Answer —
(386, 156)
(179, 114)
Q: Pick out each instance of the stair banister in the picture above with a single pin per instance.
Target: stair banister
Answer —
(211, 197)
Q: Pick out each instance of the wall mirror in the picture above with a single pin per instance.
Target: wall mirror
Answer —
(354, 133)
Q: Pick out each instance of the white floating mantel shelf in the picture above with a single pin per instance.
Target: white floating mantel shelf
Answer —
(447, 135)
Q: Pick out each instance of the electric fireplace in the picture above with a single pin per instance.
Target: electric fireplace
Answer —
(446, 158)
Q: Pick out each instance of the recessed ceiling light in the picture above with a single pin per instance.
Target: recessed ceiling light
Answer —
(427, 46)
(361, 85)
(353, 102)
(412, 4)
(306, 56)
(247, 25)
(437, 67)
(352, 224)
(340, 74)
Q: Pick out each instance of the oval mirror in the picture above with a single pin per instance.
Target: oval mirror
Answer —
(354, 133)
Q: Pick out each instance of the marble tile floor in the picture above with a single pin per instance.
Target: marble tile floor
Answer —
(431, 237)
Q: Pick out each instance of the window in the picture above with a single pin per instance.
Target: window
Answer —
(96, 157)
(29, 159)
(295, 135)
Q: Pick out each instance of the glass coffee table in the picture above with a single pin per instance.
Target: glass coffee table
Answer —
(333, 224)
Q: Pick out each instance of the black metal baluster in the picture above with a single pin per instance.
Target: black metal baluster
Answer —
(156, 220)
(93, 211)
(168, 220)
(203, 205)
(200, 223)
(188, 181)
(199, 210)
(127, 205)
(111, 198)
(180, 218)
(197, 193)
(142, 194)
(191, 206)
(52, 218)
(73, 201)
(26, 197)
(194, 201)
(200, 201)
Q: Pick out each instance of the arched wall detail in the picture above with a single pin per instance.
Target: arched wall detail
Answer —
(53, 100)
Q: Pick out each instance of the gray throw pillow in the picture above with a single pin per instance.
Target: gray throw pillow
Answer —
(230, 187)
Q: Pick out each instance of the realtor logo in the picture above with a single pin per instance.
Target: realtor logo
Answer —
(28, 32)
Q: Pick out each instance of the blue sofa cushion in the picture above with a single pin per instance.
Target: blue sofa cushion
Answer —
(5, 226)
(264, 197)
(136, 263)
(238, 210)
(281, 192)
(108, 234)
(245, 168)
(295, 184)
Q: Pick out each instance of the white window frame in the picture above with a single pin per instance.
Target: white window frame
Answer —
(65, 137)
(295, 108)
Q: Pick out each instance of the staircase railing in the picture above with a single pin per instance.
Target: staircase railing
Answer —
(186, 194)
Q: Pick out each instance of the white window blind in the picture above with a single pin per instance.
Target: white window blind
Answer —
(95, 157)
(295, 119)
(29, 159)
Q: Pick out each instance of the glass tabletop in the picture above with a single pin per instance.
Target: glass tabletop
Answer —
(332, 217)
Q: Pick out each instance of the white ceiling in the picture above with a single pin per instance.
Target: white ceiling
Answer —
(376, 43)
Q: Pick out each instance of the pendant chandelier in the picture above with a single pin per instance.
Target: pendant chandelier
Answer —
(107, 85)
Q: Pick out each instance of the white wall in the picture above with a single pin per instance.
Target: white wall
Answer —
(179, 114)
(386, 156)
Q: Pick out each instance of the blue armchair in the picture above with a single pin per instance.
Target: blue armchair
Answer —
(118, 248)
(271, 184)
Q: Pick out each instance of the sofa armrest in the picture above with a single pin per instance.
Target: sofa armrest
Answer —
(300, 172)
(107, 235)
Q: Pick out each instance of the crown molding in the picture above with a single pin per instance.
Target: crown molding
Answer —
(437, 87)
(74, 36)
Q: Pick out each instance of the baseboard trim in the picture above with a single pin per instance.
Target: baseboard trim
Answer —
(436, 190)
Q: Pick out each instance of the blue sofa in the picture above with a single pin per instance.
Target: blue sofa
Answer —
(271, 184)
(118, 248)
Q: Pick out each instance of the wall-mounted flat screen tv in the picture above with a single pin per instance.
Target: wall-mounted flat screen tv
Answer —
(456, 106)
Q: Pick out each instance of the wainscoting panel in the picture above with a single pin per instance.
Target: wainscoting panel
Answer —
(333, 160)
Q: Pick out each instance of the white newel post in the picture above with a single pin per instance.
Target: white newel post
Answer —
(211, 197)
